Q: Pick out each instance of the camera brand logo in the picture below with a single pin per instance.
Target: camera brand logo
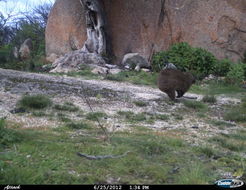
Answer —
(9, 187)
(229, 183)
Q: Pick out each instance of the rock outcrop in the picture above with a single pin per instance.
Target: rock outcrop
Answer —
(146, 27)
(25, 49)
(73, 60)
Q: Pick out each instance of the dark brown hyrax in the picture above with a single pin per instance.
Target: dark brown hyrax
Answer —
(171, 80)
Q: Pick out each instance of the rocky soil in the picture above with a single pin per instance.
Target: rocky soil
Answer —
(110, 97)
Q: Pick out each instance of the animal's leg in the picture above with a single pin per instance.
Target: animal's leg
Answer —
(171, 94)
(180, 93)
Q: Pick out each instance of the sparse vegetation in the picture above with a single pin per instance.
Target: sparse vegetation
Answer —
(209, 99)
(63, 117)
(222, 123)
(67, 106)
(132, 117)
(140, 78)
(177, 116)
(162, 117)
(216, 87)
(35, 102)
(94, 116)
(140, 103)
(206, 150)
(236, 113)
(195, 105)
(7, 136)
(78, 125)
(229, 143)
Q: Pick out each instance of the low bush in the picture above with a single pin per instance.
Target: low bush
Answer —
(236, 74)
(222, 67)
(35, 102)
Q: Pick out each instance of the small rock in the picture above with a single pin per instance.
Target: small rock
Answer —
(114, 71)
(175, 170)
(46, 68)
(170, 66)
(52, 57)
(18, 110)
(112, 180)
(195, 127)
(146, 70)
(100, 70)
(210, 77)
(110, 66)
(28, 156)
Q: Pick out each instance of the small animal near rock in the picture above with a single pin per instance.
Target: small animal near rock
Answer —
(171, 80)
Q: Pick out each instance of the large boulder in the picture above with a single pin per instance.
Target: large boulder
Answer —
(66, 27)
(25, 49)
(134, 61)
(146, 27)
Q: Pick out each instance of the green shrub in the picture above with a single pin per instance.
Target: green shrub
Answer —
(197, 60)
(236, 74)
(35, 101)
(222, 67)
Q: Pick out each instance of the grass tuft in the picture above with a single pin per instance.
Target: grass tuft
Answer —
(195, 105)
(236, 114)
(140, 103)
(209, 99)
(93, 116)
(67, 106)
(7, 136)
(78, 125)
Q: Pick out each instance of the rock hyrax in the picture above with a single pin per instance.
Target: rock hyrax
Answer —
(171, 80)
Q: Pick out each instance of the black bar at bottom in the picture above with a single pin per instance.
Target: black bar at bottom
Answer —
(111, 187)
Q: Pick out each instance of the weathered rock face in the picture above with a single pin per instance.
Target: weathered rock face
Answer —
(146, 27)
